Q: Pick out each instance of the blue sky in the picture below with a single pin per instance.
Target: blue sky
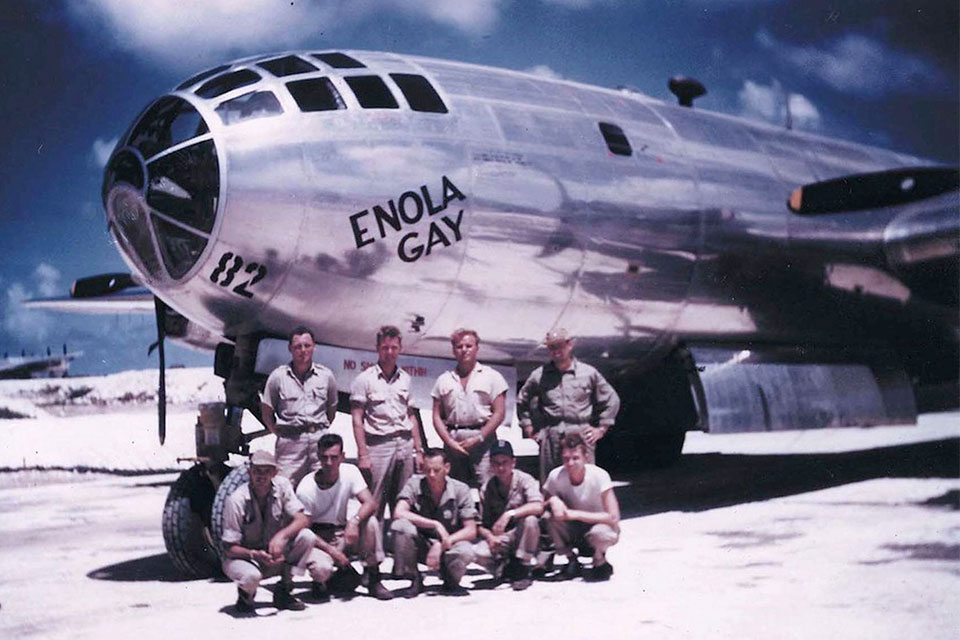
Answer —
(76, 73)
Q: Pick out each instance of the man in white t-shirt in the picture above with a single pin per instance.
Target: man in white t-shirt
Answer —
(584, 511)
(326, 495)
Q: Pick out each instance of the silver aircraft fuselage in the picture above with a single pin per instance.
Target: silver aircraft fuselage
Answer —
(514, 210)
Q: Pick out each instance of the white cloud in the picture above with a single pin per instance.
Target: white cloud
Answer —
(544, 71)
(101, 150)
(191, 35)
(860, 65)
(48, 279)
(770, 103)
(19, 322)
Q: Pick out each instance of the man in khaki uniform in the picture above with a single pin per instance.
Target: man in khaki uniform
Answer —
(469, 403)
(565, 396)
(434, 523)
(297, 405)
(265, 534)
(384, 422)
(510, 505)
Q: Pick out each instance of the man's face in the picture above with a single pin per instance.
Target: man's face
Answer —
(436, 470)
(261, 477)
(502, 466)
(574, 459)
(330, 459)
(465, 351)
(388, 352)
(560, 352)
(301, 348)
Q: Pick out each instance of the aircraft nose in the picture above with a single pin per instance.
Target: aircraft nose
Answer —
(161, 190)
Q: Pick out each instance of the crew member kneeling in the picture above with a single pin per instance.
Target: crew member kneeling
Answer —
(326, 495)
(265, 534)
(435, 520)
(584, 511)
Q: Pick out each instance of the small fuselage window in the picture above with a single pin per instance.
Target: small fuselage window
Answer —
(616, 139)
(256, 104)
(316, 94)
(372, 92)
(420, 94)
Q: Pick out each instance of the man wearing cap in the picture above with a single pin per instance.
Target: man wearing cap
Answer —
(297, 405)
(265, 534)
(468, 405)
(434, 522)
(584, 513)
(326, 495)
(510, 507)
(384, 422)
(565, 396)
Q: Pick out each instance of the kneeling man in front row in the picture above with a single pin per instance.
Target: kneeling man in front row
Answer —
(510, 505)
(265, 534)
(434, 522)
(584, 512)
(325, 495)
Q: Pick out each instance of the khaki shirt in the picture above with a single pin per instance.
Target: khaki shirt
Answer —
(473, 405)
(579, 395)
(301, 404)
(455, 506)
(244, 523)
(495, 499)
(386, 403)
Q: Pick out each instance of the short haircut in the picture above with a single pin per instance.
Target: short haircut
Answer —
(388, 331)
(572, 441)
(458, 334)
(299, 331)
(434, 452)
(329, 440)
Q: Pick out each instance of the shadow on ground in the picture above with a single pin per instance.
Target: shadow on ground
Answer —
(712, 480)
(156, 568)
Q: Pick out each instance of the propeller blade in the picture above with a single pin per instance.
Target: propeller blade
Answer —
(161, 310)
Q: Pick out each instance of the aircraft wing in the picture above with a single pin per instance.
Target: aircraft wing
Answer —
(131, 300)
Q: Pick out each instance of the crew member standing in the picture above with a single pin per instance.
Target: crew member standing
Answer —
(297, 405)
(565, 396)
(468, 406)
(384, 422)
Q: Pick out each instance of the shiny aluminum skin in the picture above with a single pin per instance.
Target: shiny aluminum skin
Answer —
(686, 240)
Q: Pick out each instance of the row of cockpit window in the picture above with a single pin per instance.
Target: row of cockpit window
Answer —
(314, 93)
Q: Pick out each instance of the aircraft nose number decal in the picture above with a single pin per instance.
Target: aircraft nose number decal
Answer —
(226, 271)
(408, 209)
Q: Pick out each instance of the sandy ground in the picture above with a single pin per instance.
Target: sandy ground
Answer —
(851, 534)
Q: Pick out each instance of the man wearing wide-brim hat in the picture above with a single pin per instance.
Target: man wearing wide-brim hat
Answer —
(565, 396)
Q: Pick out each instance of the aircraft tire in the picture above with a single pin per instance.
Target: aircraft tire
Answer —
(234, 480)
(660, 450)
(185, 524)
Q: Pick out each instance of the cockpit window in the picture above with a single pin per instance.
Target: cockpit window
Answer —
(203, 75)
(256, 104)
(616, 139)
(372, 92)
(420, 94)
(179, 248)
(339, 60)
(316, 94)
(185, 185)
(227, 82)
(168, 122)
(286, 66)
